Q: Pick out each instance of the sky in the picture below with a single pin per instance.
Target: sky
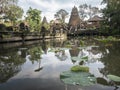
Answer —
(50, 7)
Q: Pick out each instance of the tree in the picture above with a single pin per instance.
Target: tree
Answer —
(34, 19)
(88, 11)
(82, 11)
(112, 15)
(14, 13)
(4, 5)
(61, 14)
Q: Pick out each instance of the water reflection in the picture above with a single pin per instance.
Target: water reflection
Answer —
(10, 64)
(36, 62)
(111, 60)
(61, 55)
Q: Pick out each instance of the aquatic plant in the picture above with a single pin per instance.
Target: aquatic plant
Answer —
(78, 78)
(114, 78)
(85, 58)
(79, 68)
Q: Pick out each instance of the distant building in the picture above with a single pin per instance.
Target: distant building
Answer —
(94, 22)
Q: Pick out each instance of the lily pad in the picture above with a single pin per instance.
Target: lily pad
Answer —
(78, 78)
(114, 78)
(85, 58)
(78, 68)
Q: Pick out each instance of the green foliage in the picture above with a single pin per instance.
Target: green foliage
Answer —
(47, 26)
(91, 11)
(5, 4)
(35, 54)
(61, 14)
(77, 78)
(14, 13)
(9, 10)
(34, 19)
(112, 15)
(79, 68)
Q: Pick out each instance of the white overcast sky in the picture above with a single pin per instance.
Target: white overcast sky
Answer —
(50, 7)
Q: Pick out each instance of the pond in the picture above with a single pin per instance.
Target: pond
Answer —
(37, 65)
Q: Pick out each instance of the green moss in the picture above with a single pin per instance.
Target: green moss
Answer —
(79, 68)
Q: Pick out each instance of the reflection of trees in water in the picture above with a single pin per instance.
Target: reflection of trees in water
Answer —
(44, 46)
(61, 55)
(35, 55)
(56, 43)
(10, 64)
(111, 60)
(108, 54)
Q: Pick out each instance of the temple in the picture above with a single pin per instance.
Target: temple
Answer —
(74, 21)
(44, 21)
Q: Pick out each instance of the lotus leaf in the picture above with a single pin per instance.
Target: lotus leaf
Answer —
(78, 78)
(85, 58)
(114, 78)
(78, 68)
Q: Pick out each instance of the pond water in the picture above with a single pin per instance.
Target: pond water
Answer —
(36, 65)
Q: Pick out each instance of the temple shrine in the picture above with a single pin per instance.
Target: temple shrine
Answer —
(74, 21)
